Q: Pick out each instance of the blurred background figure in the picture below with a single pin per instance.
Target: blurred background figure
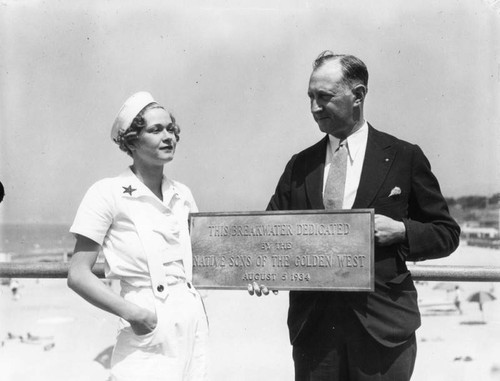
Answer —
(14, 289)
(2, 192)
(458, 299)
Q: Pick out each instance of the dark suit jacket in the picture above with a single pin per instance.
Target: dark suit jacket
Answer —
(390, 314)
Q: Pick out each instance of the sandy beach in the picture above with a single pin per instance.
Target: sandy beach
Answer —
(51, 334)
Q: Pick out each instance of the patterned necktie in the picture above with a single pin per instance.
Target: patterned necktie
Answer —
(335, 182)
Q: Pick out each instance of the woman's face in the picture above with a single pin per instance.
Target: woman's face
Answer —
(156, 143)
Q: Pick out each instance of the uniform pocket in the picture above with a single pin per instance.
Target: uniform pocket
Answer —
(151, 333)
(143, 298)
(147, 340)
(128, 339)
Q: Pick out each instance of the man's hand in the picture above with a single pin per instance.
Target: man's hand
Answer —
(254, 288)
(388, 231)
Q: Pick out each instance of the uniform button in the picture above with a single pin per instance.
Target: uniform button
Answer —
(189, 285)
(160, 288)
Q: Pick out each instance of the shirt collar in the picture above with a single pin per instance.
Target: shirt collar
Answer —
(355, 141)
(138, 189)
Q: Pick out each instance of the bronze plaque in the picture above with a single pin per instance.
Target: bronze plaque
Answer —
(284, 250)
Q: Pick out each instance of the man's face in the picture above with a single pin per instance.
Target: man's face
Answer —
(332, 102)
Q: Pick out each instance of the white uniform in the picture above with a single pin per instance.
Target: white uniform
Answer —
(146, 245)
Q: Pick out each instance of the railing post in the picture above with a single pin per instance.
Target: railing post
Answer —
(42, 270)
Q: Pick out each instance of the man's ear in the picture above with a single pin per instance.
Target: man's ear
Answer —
(359, 92)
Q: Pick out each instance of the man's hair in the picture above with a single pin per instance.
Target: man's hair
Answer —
(131, 134)
(353, 69)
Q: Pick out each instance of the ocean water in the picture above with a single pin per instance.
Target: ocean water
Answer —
(25, 242)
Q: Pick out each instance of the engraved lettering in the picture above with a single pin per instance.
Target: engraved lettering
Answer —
(280, 260)
(218, 230)
(266, 246)
(259, 276)
(351, 260)
(323, 229)
(250, 230)
(283, 245)
(240, 261)
(206, 261)
(285, 250)
(300, 277)
(261, 260)
(314, 261)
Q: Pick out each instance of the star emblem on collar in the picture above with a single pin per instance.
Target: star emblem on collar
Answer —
(129, 190)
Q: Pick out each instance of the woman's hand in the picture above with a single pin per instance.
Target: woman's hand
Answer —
(84, 282)
(143, 321)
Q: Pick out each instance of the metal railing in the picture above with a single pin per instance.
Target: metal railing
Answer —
(419, 272)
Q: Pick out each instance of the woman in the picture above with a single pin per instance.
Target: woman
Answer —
(140, 222)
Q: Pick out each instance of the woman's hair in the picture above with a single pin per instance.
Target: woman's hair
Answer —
(126, 138)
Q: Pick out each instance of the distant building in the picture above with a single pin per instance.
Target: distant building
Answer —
(490, 218)
(469, 232)
(481, 227)
(5, 257)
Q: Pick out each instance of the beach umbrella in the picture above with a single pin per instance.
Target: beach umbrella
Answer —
(481, 297)
(104, 357)
(446, 286)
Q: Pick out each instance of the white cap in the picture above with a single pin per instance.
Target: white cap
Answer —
(129, 111)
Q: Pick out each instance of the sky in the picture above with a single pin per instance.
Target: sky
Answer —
(235, 75)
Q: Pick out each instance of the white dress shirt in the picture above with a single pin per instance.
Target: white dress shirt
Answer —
(356, 148)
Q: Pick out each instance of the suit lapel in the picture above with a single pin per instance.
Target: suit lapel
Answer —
(315, 173)
(379, 157)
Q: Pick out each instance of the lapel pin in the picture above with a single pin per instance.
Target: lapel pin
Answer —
(395, 192)
(129, 190)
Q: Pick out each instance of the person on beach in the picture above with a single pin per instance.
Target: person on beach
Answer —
(458, 299)
(362, 336)
(139, 220)
(14, 289)
(2, 192)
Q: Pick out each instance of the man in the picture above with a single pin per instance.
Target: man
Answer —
(362, 335)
